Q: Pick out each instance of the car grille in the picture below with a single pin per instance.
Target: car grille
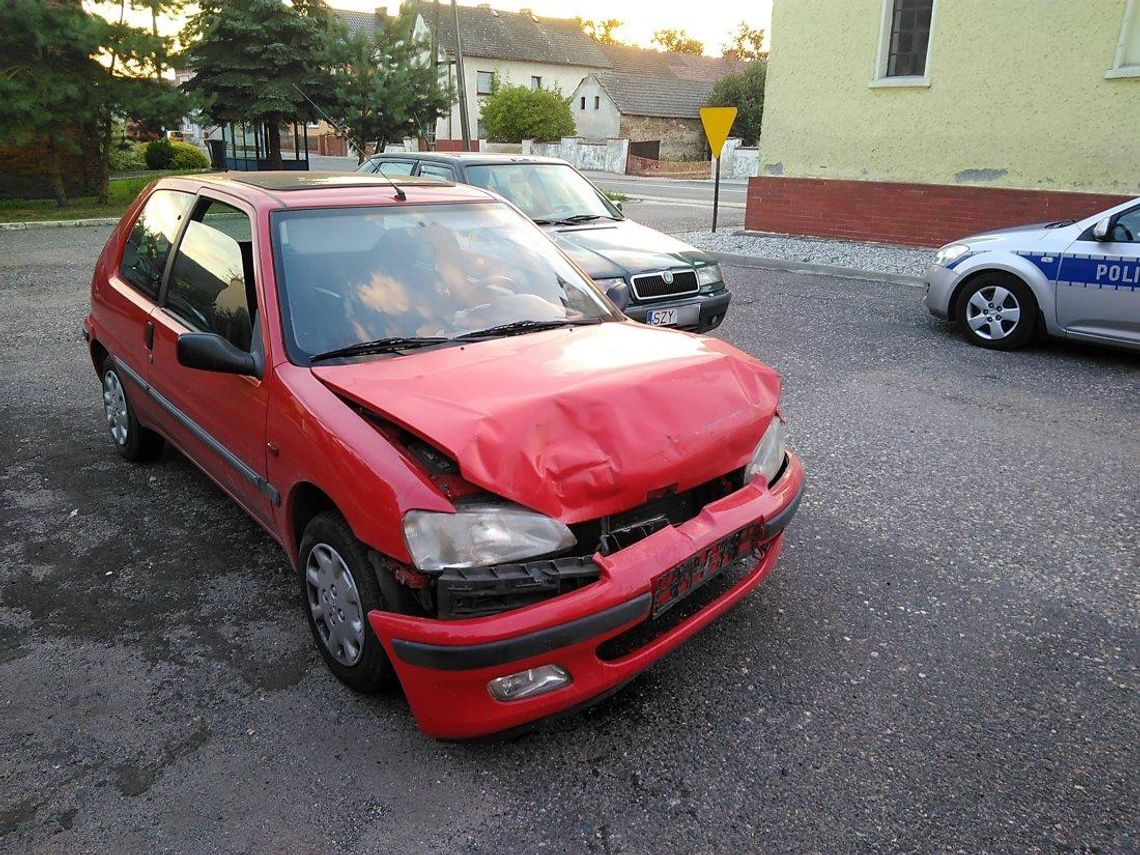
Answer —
(652, 286)
(645, 633)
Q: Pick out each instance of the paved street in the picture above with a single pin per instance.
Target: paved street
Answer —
(945, 659)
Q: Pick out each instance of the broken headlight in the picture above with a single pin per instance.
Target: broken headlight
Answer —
(769, 455)
(480, 534)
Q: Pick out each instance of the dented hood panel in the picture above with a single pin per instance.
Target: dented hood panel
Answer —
(579, 422)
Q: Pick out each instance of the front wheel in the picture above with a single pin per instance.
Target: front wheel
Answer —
(338, 590)
(997, 311)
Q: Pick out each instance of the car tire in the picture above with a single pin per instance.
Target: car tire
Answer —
(997, 311)
(338, 589)
(134, 442)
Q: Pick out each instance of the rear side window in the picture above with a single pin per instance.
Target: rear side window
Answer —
(148, 247)
(434, 170)
(211, 281)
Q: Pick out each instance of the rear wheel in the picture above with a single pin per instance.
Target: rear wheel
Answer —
(133, 441)
(338, 589)
(998, 311)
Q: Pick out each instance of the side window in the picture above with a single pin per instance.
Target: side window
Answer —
(396, 167)
(1127, 227)
(434, 170)
(211, 281)
(144, 258)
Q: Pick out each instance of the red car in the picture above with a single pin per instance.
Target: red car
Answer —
(495, 488)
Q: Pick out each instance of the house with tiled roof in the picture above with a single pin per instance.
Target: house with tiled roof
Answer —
(512, 48)
(647, 95)
(615, 90)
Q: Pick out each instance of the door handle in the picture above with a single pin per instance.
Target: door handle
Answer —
(149, 335)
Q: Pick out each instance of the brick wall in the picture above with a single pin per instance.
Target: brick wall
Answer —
(914, 214)
(681, 139)
(667, 168)
(454, 145)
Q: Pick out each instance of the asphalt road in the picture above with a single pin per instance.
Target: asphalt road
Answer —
(732, 193)
(946, 658)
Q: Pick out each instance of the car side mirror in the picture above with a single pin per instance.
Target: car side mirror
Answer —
(619, 294)
(619, 207)
(1103, 229)
(211, 352)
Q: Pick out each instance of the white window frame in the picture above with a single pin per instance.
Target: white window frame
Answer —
(1119, 69)
(882, 57)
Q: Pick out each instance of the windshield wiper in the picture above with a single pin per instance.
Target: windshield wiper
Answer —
(393, 344)
(521, 327)
(571, 221)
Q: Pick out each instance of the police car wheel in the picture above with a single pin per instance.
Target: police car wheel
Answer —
(998, 311)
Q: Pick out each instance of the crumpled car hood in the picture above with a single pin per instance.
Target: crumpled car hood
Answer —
(606, 249)
(577, 422)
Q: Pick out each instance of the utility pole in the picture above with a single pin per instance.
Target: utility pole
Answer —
(435, 65)
(464, 126)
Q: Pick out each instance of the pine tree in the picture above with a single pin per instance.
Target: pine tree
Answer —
(255, 60)
(385, 85)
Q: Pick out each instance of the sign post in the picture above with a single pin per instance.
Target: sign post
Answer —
(718, 122)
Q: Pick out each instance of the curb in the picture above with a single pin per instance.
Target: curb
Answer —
(758, 262)
(58, 224)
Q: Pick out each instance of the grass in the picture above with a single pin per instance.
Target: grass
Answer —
(123, 192)
(615, 197)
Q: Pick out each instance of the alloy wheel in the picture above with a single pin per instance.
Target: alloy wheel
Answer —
(993, 312)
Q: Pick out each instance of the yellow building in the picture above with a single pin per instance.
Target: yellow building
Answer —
(918, 120)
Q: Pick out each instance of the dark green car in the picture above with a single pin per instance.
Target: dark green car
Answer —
(652, 277)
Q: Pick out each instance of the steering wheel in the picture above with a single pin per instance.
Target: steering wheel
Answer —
(501, 280)
(1128, 236)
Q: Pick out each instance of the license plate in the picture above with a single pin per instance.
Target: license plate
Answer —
(661, 317)
(675, 584)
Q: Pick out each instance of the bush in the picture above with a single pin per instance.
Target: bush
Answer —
(189, 156)
(745, 92)
(159, 154)
(512, 114)
(127, 156)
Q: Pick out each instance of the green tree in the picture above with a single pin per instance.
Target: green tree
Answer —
(57, 87)
(516, 113)
(745, 92)
(385, 84)
(677, 41)
(601, 31)
(746, 43)
(253, 59)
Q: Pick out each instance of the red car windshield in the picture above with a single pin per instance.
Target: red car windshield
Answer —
(353, 275)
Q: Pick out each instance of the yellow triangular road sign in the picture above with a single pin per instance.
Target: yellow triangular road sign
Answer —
(718, 122)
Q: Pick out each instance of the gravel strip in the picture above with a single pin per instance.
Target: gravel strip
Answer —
(876, 257)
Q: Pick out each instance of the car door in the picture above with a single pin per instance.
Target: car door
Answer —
(126, 302)
(211, 286)
(1098, 283)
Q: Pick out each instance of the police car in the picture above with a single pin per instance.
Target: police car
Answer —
(1077, 279)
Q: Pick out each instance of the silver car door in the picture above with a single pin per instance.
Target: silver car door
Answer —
(1098, 284)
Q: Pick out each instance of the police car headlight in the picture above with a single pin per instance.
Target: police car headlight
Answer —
(950, 252)
(769, 454)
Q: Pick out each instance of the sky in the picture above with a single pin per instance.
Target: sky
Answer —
(711, 21)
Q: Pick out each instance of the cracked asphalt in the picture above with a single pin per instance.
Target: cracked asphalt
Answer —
(945, 660)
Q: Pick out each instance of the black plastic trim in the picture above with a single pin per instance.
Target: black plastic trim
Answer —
(780, 521)
(443, 657)
(243, 468)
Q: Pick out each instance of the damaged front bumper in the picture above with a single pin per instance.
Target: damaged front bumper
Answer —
(445, 666)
